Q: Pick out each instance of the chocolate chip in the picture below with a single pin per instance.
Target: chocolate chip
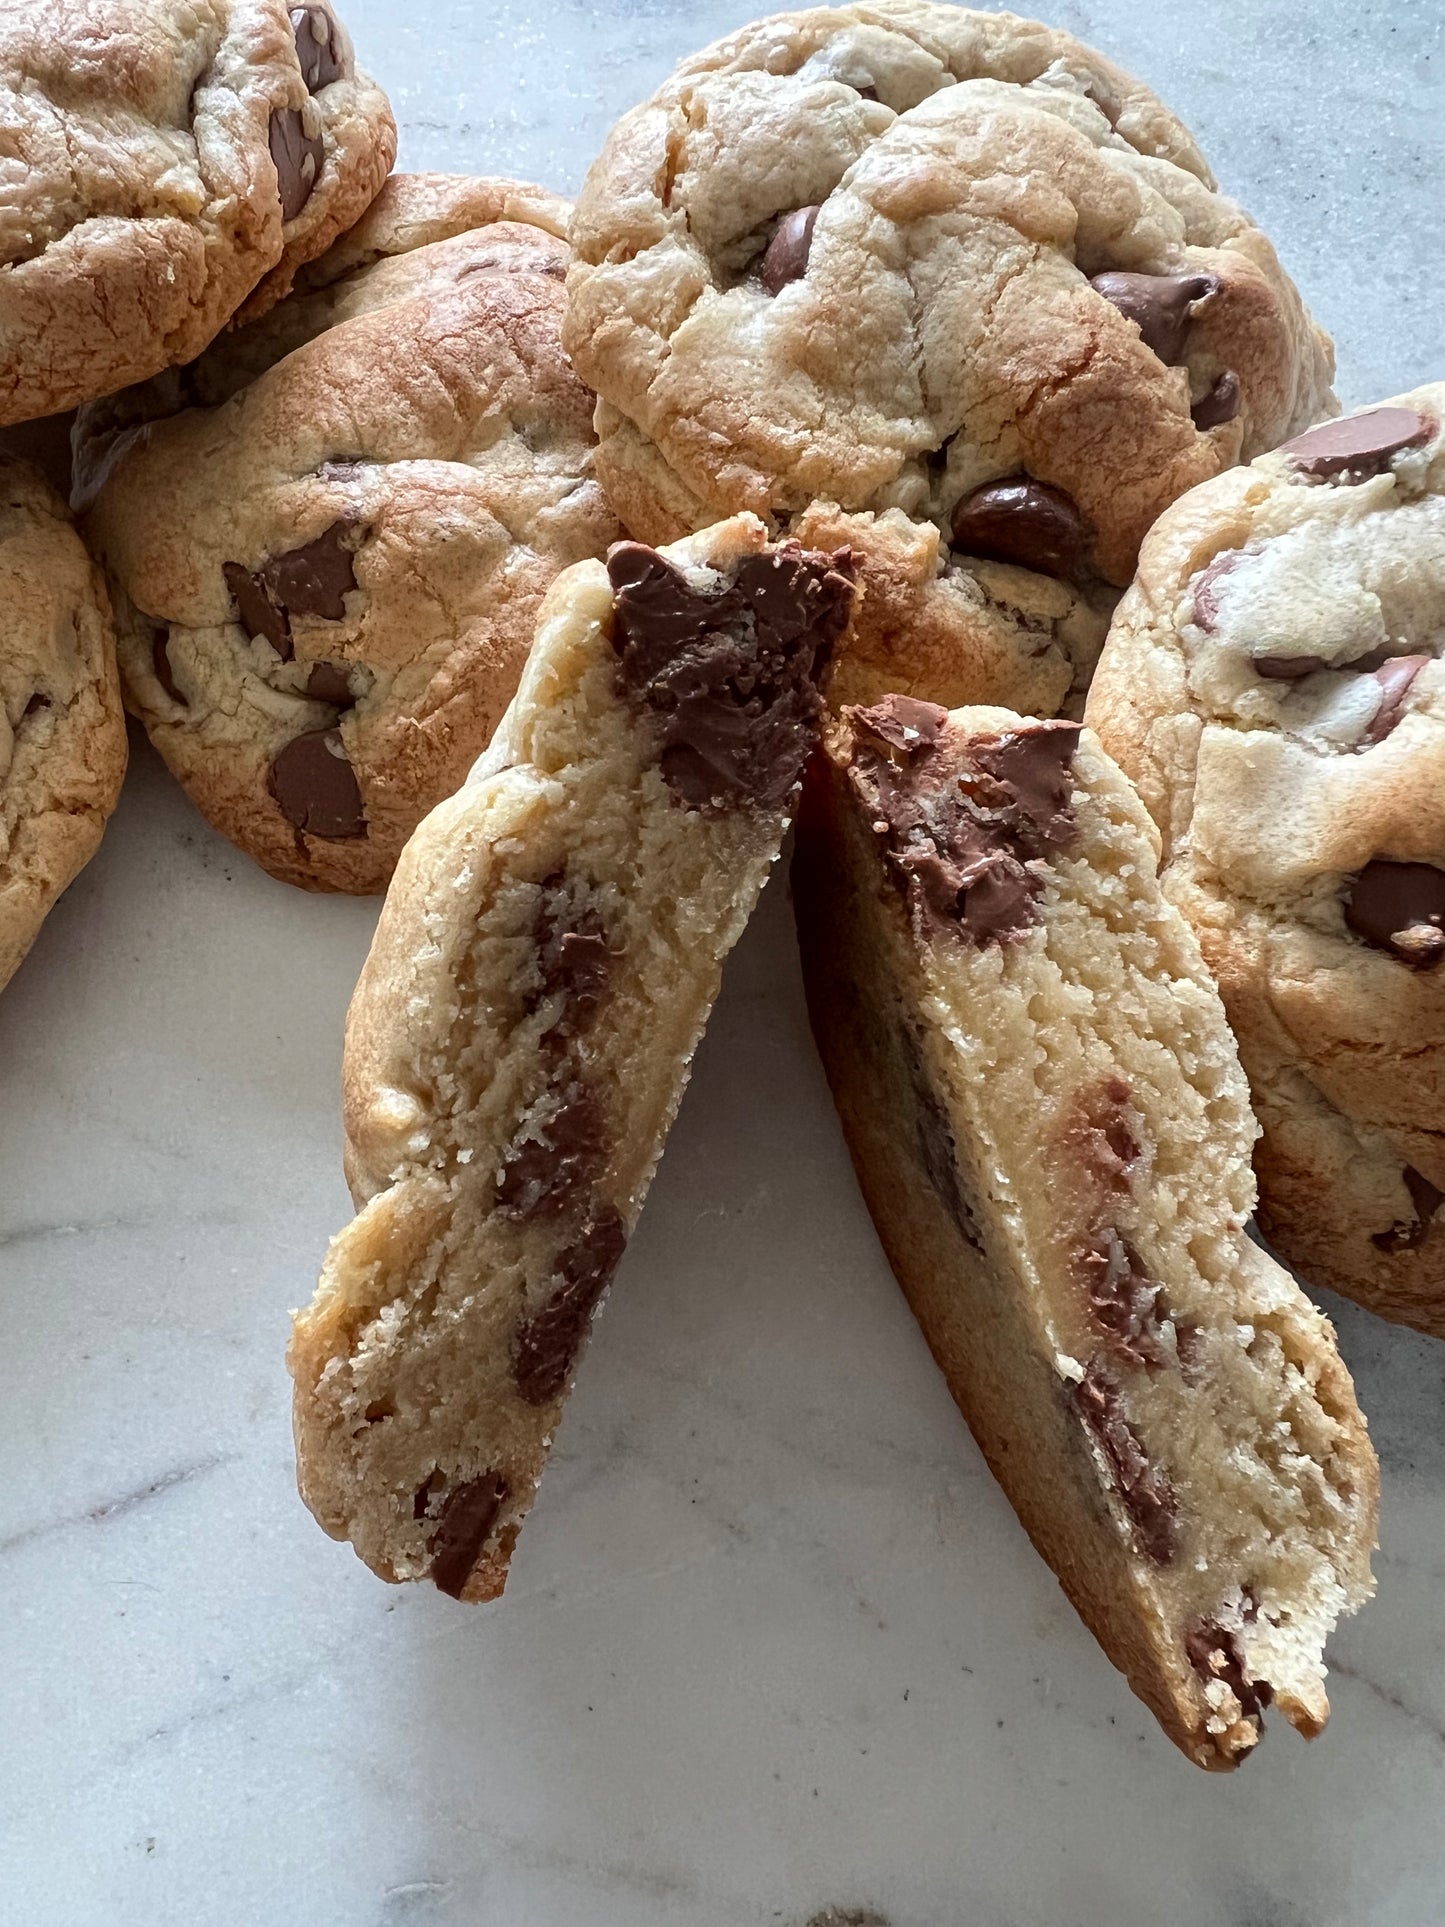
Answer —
(732, 674)
(316, 788)
(1359, 445)
(1287, 668)
(1427, 1202)
(468, 1515)
(298, 158)
(421, 1499)
(330, 682)
(903, 723)
(574, 960)
(1145, 1494)
(1206, 603)
(787, 256)
(1216, 1654)
(310, 581)
(1396, 679)
(1122, 1296)
(547, 1342)
(1101, 1136)
(1027, 523)
(558, 1157)
(164, 674)
(1220, 405)
(1030, 769)
(1400, 907)
(1159, 305)
(315, 33)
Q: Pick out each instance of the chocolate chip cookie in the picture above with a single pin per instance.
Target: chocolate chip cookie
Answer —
(1049, 1122)
(519, 1042)
(62, 728)
(1274, 686)
(329, 537)
(172, 165)
(906, 256)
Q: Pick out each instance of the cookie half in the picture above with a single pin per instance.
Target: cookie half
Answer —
(1273, 684)
(521, 1036)
(158, 190)
(62, 728)
(329, 538)
(917, 258)
(1050, 1125)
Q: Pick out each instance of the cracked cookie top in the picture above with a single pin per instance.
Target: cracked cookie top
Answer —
(164, 166)
(911, 256)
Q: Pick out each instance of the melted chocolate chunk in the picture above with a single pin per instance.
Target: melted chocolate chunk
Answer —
(316, 49)
(1160, 305)
(1145, 1494)
(903, 723)
(1027, 523)
(330, 682)
(298, 157)
(1206, 608)
(310, 581)
(787, 256)
(164, 674)
(1427, 1202)
(1400, 907)
(1101, 1136)
(1396, 679)
(961, 827)
(468, 1515)
(1359, 445)
(547, 1342)
(1287, 668)
(1123, 1297)
(734, 675)
(315, 786)
(1220, 405)
(573, 959)
(1215, 1653)
(542, 1174)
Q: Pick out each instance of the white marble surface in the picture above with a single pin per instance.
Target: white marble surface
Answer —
(775, 1649)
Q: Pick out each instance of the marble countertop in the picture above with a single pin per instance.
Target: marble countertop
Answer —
(775, 1649)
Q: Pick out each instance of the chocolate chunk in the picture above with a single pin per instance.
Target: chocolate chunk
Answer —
(310, 581)
(1215, 1654)
(903, 723)
(256, 612)
(547, 1342)
(1145, 1494)
(574, 960)
(1396, 679)
(787, 256)
(1400, 907)
(298, 157)
(1101, 1136)
(315, 786)
(733, 674)
(542, 1173)
(1160, 305)
(1123, 1297)
(164, 674)
(1287, 668)
(1359, 445)
(1206, 606)
(315, 33)
(330, 682)
(1220, 405)
(1028, 523)
(960, 828)
(1427, 1202)
(468, 1515)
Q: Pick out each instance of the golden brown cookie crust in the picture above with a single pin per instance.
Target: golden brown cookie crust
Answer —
(150, 206)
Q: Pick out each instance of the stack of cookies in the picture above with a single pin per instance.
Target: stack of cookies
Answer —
(902, 433)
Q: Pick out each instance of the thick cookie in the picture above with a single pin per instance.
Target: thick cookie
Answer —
(62, 729)
(1050, 1125)
(329, 538)
(519, 1042)
(908, 256)
(170, 164)
(1273, 685)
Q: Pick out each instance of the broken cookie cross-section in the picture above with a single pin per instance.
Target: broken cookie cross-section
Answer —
(1048, 1118)
(519, 1042)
